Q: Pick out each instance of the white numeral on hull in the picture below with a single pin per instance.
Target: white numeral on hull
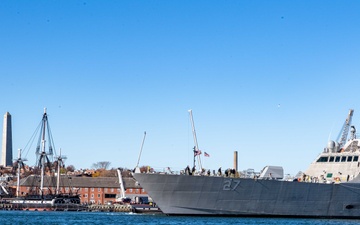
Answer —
(230, 185)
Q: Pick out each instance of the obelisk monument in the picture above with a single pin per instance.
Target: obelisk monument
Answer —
(6, 154)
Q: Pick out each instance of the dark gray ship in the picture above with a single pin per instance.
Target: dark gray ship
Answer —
(330, 188)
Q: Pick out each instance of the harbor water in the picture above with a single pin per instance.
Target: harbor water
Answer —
(27, 217)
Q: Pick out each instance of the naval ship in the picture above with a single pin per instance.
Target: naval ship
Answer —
(329, 188)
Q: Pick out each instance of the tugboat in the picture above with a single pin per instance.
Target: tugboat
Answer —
(330, 188)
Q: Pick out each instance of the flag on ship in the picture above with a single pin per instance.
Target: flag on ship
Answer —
(197, 152)
(206, 154)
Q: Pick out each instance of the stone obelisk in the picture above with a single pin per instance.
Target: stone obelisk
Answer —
(6, 155)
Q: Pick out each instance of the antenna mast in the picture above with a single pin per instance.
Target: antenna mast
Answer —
(137, 169)
(196, 148)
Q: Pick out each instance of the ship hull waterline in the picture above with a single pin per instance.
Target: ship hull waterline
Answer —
(224, 196)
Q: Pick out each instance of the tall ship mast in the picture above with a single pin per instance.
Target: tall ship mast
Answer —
(43, 155)
(41, 196)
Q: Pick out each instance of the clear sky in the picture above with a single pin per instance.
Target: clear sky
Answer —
(270, 79)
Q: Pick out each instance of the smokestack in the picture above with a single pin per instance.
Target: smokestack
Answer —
(236, 161)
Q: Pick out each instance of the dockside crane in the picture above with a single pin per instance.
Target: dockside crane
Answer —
(122, 189)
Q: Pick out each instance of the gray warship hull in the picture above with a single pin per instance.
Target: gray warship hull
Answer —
(224, 196)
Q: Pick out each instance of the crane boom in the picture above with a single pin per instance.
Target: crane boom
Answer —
(345, 130)
(122, 189)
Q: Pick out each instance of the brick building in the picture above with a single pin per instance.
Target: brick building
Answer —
(98, 190)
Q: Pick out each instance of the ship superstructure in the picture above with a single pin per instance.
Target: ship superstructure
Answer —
(339, 161)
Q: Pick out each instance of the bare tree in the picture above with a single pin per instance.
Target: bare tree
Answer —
(101, 165)
(70, 168)
(107, 173)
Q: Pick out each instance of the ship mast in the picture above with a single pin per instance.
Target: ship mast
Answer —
(58, 175)
(196, 147)
(43, 159)
(60, 163)
(18, 176)
(20, 163)
(43, 153)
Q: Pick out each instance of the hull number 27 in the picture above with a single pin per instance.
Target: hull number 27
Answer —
(230, 185)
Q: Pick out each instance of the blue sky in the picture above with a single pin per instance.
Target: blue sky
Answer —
(270, 79)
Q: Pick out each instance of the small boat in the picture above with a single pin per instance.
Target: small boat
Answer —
(146, 208)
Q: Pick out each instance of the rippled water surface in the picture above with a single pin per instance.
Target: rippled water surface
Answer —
(26, 217)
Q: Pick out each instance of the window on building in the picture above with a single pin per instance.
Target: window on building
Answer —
(86, 189)
(105, 189)
(92, 195)
(99, 189)
(343, 159)
(349, 159)
(356, 158)
(86, 195)
(337, 159)
(332, 158)
(112, 189)
(98, 195)
(110, 195)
